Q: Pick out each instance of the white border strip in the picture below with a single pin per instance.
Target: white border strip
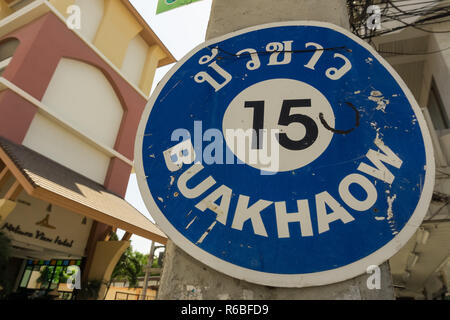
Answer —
(297, 280)
(48, 113)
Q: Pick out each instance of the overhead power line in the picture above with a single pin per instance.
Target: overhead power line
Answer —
(404, 13)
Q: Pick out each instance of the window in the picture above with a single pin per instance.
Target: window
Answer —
(26, 277)
(436, 109)
(47, 275)
(7, 49)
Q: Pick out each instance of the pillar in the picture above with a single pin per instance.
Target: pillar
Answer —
(5, 10)
(6, 207)
(186, 278)
(107, 254)
(117, 29)
(154, 56)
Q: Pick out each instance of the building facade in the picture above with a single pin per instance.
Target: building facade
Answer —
(421, 56)
(75, 76)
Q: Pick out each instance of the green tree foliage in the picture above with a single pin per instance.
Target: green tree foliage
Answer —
(130, 266)
(45, 277)
(90, 291)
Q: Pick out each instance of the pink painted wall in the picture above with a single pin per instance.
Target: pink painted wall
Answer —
(43, 43)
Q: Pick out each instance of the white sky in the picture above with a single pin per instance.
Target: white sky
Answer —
(180, 30)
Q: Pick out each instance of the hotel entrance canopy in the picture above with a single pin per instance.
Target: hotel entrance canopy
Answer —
(49, 181)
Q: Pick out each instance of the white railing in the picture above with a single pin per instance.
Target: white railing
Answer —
(48, 113)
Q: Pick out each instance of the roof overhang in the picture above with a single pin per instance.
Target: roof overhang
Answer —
(38, 8)
(49, 181)
(149, 35)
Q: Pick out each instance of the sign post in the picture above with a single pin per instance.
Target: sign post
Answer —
(287, 154)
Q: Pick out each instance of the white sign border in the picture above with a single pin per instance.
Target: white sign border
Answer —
(292, 280)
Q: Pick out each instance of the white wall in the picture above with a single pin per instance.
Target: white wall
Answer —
(82, 96)
(58, 144)
(68, 225)
(91, 16)
(7, 48)
(134, 61)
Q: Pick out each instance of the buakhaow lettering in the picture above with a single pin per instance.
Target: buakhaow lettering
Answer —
(374, 165)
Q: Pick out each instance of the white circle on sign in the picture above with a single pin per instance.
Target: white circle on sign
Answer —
(275, 125)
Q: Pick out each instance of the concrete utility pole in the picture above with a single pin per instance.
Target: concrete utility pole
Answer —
(147, 271)
(186, 278)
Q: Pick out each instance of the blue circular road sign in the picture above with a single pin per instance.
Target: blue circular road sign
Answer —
(288, 154)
